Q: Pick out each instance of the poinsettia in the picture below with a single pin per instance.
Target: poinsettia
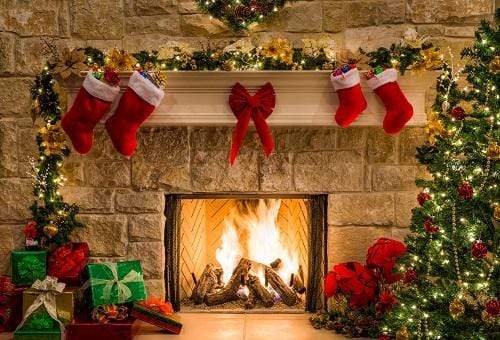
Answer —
(30, 231)
(386, 300)
(356, 280)
(330, 284)
(382, 256)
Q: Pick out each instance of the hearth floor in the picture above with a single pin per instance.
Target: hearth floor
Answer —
(212, 326)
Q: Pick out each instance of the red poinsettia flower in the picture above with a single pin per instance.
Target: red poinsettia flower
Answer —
(429, 226)
(411, 276)
(423, 197)
(30, 231)
(330, 284)
(356, 280)
(68, 260)
(493, 307)
(382, 256)
(386, 301)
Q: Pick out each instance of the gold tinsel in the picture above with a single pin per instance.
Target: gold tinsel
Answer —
(53, 139)
(432, 59)
(434, 127)
(120, 60)
(50, 230)
(456, 308)
(495, 65)
(493, 151)
(402, 334)
(278, 48)
(70, 62)
(467, 106)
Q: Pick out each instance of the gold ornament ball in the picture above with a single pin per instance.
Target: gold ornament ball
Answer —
(496, 213)
(495, 65)
(50, 230)
(456, 308)
(403, 334)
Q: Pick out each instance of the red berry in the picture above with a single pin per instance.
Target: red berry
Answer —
(458, 113)
(493, 307)
(430, 227)
(411, 276)
(479, 249)
(423, 197)
(465, 191)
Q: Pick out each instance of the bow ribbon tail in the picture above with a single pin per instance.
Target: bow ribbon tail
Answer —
(266, 138)
(239, 133)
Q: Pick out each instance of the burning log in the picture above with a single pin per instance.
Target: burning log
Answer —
(209, 279)
(250, 301)
(275, 264)
(286, 293)
(228, 293)
(260, 291)
(297, 284)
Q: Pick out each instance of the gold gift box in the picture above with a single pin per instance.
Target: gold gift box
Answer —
(65, 303)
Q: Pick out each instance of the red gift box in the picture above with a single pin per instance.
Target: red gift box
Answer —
(159, 313)
(11, 305)
(113, 330)
(68, 262)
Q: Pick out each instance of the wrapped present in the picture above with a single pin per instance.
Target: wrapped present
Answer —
(28, 266)
(65, 303)
(11, 298)
(68, 262)
(115, 283)
(159, 313)
(39, 326)
(84, 328)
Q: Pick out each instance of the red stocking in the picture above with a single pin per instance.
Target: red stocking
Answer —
(137, 103)
(398, 110)
(351, 99)
(91, 103)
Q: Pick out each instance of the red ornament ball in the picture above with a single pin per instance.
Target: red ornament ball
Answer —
(430, 227)
(411, 276)
(423, 197)
(479, 249)
(458, 113)
(465, 191)
(493, 307)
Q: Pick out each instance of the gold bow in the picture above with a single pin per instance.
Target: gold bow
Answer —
(70, 62)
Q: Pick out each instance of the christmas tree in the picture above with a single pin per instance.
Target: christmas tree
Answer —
(450, 281)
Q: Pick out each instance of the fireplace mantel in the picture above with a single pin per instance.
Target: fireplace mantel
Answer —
(303, 98)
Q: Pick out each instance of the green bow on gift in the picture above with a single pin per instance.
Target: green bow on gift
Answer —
(29, 268)
(124, 292)
(39, 320)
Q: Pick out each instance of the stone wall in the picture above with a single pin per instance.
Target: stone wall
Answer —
(369, 175)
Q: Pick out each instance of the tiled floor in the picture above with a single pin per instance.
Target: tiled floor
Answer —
(207, 326)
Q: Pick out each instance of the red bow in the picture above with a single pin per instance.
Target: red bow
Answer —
(258, 107)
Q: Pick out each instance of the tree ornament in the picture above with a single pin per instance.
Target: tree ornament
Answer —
(402, 334)
(445, 106)
(429, 226)
(410, 276)
(423, 197)
(465, 191)
(496, 212)
(456, 308)
(495, 65)
(466, 105)
(458, 113)
(50, 230)
(493, 307)
(479, 249)
(493, 151)
(487, 318)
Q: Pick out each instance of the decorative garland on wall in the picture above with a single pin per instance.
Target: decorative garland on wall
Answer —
(53, 220)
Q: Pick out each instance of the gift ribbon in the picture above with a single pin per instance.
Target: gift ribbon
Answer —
(124, 292)
(257, 107)
(158, 305)
(47, 291)
(29, 267)
(68, 260)
(105, 313)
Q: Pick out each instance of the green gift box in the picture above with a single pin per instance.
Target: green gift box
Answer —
(113, 283)
(39, 326)
(28, 266)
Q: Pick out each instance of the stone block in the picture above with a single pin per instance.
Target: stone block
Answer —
(430, 30)
(409, 139)
(372, 37)
(210, 171)
(105, 234)
(135, 43)
(16, 196)
(6, 52)
(361, 209)
(162, 159)
(351, 243)
(138, 202)
(155, 287)
(152, 257)
(149, 7)
(90, 200)
(146, 227)
(388, 177)
(422, 11)
(460, 31)
(334, 16)
(328, 171)
(351, 138)
(380, 147)
(15, 101)
(302, 16)
(392, 12)
(97, 19)
(210, 138)
(29, 18)
(275, 172)
(6, 246)
(362, 13)
(73, 171)
(102, 147)
(165, 24)
(107, 174)
(400, 233)
(8, 149)
(28, 147)
(305, 139)
(202, 25)
(188, 7)
(404, 202)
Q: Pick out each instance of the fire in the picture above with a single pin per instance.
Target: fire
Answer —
(259, 241)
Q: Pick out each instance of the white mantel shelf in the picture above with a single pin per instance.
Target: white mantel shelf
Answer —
(303, 98)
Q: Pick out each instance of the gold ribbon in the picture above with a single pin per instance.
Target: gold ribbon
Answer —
(47, 290)
(124, 292)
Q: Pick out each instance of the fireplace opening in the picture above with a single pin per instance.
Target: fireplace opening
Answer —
(243, 253)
